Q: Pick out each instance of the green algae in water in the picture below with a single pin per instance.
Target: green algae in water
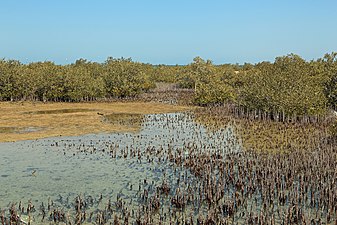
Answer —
(124, 119)
(8, 130)
(60, 111)
(19, 130)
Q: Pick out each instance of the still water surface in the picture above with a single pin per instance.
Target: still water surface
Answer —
(64, 167)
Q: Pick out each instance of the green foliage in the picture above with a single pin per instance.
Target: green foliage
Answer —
(288, 85)
(124, 78)
(81, 81)
(165, 73)
(9, 74)
(186, 79)
(38, 81)
(328, 67)
(211, 84)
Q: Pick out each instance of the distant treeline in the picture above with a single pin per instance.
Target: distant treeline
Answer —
(290, 85)
(80, 81)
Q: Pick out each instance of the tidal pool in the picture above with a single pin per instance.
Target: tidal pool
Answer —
(19, 130)
(110, 166)
(60, 111)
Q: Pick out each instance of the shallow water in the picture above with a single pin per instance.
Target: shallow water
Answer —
(62, 168)
(129, 120)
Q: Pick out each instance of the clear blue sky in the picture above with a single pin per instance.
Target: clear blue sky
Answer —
(166, 31)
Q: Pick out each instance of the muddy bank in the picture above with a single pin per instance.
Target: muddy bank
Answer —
(69, 119)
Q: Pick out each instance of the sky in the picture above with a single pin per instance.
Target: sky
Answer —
(166, 31)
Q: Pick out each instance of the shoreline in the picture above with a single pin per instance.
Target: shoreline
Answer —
(34, 120)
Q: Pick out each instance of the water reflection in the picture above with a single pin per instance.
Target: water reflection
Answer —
(128, 120)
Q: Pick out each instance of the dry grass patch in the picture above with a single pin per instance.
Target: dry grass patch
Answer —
(40, 120)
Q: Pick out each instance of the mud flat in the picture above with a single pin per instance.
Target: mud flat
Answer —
(27, 121)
